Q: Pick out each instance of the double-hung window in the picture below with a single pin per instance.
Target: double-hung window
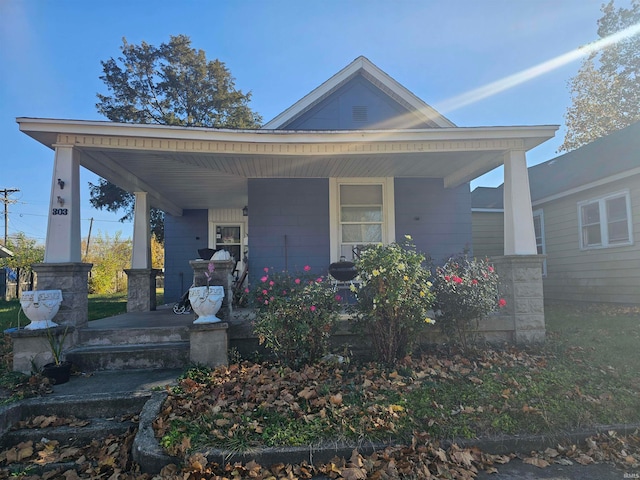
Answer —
(605, 221)
(362, 214)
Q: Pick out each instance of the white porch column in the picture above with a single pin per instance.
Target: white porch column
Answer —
(141, 254)
(63, 228)
(519, 234)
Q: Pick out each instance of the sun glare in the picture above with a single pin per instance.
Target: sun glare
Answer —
(511, 81)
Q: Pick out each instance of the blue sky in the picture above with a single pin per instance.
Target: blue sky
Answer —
(280, 50)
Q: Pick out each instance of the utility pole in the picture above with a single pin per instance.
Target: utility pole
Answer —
(6, 202)
(86, 252)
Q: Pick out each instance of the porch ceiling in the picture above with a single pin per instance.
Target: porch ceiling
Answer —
(184, 168)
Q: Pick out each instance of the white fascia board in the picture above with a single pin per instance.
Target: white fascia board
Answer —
(45, 130)
(360, 63)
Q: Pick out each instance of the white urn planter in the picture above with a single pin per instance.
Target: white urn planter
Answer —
(206, 302)
(40, 306)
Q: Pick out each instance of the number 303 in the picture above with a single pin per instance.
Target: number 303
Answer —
(60, 211)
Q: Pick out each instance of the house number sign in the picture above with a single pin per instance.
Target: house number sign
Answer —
(60, 211)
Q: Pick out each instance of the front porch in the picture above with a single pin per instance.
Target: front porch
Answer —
(163, 339)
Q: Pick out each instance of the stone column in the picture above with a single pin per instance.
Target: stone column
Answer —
(521, 286)
(141, 285)
(141, 289)
(72, 279)
(222, 275)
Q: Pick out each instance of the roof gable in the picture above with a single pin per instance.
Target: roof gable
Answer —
(338, 104)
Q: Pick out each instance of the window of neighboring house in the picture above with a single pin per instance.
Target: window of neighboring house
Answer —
(538, 226)
(605, 221)
(362, 215)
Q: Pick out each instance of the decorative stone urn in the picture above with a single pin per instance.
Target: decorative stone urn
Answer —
(206, 302)
(40, 306)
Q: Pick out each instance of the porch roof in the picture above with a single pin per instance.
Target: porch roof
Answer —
(191, 168)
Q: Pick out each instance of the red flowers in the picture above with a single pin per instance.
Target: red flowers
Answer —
(307, 268)
(502, 302)
(457, 279)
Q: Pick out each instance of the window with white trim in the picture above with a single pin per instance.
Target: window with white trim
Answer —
(538, 227)
(605, 221)
(362, 214)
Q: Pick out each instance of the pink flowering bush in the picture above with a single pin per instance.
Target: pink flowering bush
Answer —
(295, 315)
(466, 291)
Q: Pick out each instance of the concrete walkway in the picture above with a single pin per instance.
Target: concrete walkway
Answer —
(120, 382)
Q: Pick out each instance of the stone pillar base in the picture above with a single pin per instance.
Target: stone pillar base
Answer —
(222, 276)
(141, 289)
(32, 349)
(72, 278)
(209, 344)
(520, 284)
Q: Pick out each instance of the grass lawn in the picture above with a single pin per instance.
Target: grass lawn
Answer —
(587, 374)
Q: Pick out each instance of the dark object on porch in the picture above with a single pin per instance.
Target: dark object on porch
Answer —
(343, 271)
(206, 253)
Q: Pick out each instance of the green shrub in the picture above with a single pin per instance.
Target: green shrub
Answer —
(466, 290)
(394, 297)
(295, 315)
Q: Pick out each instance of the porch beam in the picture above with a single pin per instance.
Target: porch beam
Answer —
(486, 162)
(519, 233)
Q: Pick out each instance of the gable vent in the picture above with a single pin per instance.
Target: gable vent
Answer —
(359, 113)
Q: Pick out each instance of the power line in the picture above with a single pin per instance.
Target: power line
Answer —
(6, 202)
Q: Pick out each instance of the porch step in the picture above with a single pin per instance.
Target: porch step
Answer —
(90, 358)
(131, 336)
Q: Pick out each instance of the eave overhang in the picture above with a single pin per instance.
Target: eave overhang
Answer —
(162, 159)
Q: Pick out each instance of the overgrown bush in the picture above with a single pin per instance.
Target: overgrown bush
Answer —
(295, 315)
(394, 297)
(466, 291)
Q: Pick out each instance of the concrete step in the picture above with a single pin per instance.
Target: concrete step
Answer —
(122, 336)
(71, 435)
(91, 358)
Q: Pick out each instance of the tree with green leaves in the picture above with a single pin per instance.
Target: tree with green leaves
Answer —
(26, 251)
(172, 84)
(606, 91)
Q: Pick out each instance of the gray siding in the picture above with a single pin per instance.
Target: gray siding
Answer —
(183, 237)
(599, 275)
(335, 112)
(437, 218)
(288, 225)
(488, 234)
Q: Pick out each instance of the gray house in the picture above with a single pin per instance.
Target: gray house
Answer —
(586, 210)
(358, 160)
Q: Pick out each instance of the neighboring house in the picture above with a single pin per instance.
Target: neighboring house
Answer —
(359, 160)
(586, 207)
